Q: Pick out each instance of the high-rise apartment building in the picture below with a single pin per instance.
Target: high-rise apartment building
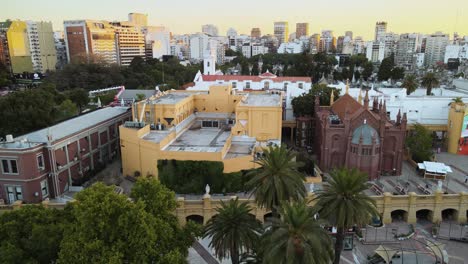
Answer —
(255, 33)
(380, 30)
(88, 40)
(137, 19)
(60, 49)
(210, 30)
(435, 48)
(281, 31)
(4, 52)
(349, 34)
(17, 41)
(130, 41)
(406, 49)
(302, 29)
(42, 46)
(158, 42)
(375, 51)
(327, 41)
(314, 43)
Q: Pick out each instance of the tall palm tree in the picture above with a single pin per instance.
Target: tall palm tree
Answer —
(278, 178)
(344, 204)
(429, 81)
(296, 237)
(233, 230)
(410, 83)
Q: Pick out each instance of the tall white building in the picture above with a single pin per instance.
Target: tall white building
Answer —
(375, 51)
(327, 41)
(231, 36)
(158, 39)
(198, 46)
(281, 31)
(131, 42)
(252, 49)
(407, 47)
(456, 52)
(294, 47)
(435, 47)
(380, 30)
(210, 30)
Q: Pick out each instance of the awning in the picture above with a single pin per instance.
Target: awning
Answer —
(386, 253)
(434, 167)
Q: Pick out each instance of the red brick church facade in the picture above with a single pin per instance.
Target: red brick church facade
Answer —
(354, 135)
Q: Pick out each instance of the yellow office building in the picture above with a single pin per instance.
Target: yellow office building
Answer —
(215, 125)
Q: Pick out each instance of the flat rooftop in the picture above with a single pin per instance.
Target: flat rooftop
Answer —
(200, 140)
(65, 128)
(261, 100)
(171, 98)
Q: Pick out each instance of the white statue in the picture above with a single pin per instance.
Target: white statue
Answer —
(439, 185)
(207, 189)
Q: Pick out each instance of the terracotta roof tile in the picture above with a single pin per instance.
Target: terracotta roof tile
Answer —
(345, 103)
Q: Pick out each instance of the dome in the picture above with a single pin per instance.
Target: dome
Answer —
(367, 133)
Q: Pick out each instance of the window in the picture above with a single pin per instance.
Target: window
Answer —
(247, 85)
(9, 166)
(285, 86)
(266, 85)
(44, 188)
(40, 162)
(234, 85)
(301, 85)
(14, 193)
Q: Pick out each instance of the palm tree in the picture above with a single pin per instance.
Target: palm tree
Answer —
(429, 81)
(457, 100)
(296, 237)
(410, 84)
(344, 204)
(233, 230)
(278, 179)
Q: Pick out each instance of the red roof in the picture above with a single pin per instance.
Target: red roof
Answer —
(271, 77)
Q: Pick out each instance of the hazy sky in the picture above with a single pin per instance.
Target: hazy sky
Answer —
(187, 16)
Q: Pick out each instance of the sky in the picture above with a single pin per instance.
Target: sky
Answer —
(187, 16)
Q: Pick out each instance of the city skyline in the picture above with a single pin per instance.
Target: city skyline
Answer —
(358, 16)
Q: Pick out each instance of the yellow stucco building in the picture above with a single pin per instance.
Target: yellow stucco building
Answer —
(458, 129)
(215, 125)
(18, 46)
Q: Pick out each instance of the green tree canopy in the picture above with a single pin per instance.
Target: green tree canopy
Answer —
(296, 237)
(429, 81)
(233, 230)
(344, 204)
(79, 97)
(419, 142)
(31, 234)
(385, 69)
(277, 179)
(109, 228)
(410, 83)
(303, 105)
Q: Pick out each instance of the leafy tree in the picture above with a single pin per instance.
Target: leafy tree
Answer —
(140, 96)
(344, 204)
(278, 178)
(109, 228)
(161, 203)
(4, 75)
(398, 73)
(429, 81)
(233, 230)
(67, 109)
(303, 105)
(410, 83)
(26, 111)
(296, 237)
(31, 234)
(385, 69)
(419, 142)
(78, 96)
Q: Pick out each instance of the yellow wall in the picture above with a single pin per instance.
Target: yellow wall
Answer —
(455, 122)
(18, 46)
(142, 155)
